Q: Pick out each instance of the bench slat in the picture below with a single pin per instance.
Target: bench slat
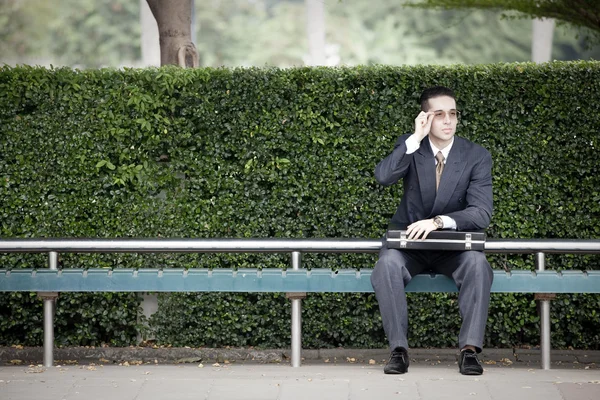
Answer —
(274, 280)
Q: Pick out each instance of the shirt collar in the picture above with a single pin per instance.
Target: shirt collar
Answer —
(445, 152)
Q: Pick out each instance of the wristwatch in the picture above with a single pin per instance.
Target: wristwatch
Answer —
(438, 222)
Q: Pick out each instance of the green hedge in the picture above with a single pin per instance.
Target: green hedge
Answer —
(260, 152)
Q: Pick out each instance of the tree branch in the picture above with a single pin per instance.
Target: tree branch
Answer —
(581, 13)
(594, 18)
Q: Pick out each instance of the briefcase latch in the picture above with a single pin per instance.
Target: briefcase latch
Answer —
(467, 241)
(402, 239)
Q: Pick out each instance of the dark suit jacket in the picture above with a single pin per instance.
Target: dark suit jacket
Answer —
(465, 191)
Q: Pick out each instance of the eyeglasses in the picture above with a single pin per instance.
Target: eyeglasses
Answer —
(452, 114)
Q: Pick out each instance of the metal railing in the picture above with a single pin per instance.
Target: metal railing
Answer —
(514, 246)
(293, 246)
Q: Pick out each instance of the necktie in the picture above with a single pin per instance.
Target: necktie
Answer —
(439, 168)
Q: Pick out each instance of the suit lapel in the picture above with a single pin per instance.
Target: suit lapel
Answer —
(455, 166)
(426, 172)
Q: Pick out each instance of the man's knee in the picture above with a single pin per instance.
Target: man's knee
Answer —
(390, 266)
(475, 267)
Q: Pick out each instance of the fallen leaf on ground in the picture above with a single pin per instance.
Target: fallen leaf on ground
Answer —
(372, 362)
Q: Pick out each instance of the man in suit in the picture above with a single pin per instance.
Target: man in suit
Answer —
(447, 184)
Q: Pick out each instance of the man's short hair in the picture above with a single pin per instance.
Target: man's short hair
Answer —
(432, 92)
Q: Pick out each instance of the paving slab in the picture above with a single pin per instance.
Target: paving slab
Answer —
(579, 391)
(319, 380)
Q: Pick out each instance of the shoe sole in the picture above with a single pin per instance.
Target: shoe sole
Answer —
(471, 372)
(394, 372)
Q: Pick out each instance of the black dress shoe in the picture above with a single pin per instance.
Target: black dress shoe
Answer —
(469, 364)
(398, 363)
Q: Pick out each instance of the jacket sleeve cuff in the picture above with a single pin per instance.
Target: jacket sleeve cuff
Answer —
(412, 144)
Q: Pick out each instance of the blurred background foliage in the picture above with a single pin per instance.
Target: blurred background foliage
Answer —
(98, 33)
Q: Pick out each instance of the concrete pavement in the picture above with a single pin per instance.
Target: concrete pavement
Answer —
(314, 380)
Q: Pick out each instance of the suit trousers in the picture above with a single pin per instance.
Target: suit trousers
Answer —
(470, 271)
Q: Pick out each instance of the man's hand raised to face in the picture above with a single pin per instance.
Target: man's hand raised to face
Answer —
(423, 124)
(420, 229)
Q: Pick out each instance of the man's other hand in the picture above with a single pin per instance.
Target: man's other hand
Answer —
(420, 229)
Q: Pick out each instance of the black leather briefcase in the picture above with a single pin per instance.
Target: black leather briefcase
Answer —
(437, 240)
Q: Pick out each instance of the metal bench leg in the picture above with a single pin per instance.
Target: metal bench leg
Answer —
(49, 303)
(296, 318)
(540, 260)
(545, 321)
(48, 330)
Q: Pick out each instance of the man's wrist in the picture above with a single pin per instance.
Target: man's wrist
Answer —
(417, 137)
(449, 223)
(438, 222)
(412, 144)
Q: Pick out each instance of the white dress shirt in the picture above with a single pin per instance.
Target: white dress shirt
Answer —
(412, 145)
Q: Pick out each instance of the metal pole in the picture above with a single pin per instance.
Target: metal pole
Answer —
(66, 245)
(296, 319)
(540, 261)
(49, 302)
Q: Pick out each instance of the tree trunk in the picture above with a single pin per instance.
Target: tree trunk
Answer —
(174, 20)
(315, 29)
(541, 40)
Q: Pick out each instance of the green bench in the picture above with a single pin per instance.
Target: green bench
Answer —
(295, 281)
(252, 280)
